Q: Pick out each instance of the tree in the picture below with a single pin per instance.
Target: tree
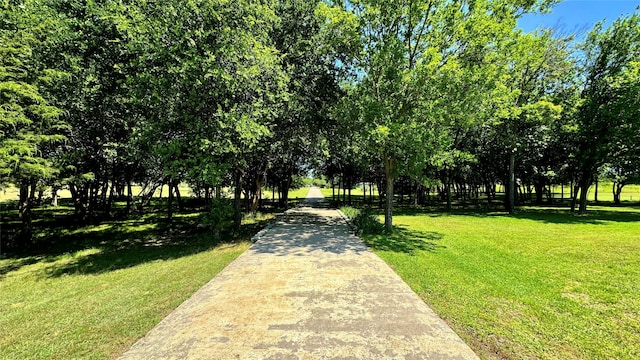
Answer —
(28, 123)
(309, 60)
(607, 115)
(408, 50)
(209, 85)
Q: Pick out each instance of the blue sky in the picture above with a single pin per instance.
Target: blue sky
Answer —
(579, 15)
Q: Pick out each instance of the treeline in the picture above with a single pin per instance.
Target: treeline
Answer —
(452, 98)
(99, 95)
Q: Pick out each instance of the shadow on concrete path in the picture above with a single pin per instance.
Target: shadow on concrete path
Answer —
(307, 289)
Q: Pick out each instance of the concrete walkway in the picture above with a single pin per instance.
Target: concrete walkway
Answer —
(307, 289)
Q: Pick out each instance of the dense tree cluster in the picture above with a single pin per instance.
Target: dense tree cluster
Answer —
(417, 96)
(100, 95)
(453, 98)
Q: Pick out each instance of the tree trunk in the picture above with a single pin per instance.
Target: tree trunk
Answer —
(447, 188)
(617, 191)
(539, 189)
(333, 189)
(574, 195)
(110, 198)
(178, 196)
(54, 196)
(389, 175)
(170, 202)
(237, 201)
(512, 184)
(583, 200)
(584, 190)
(79, 196)
(26, 232)
(286, 184)
(571, 189)
(255, 201)
(596, 191)
(129, 198)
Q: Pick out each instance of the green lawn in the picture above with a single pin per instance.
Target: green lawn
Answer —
(100, 288)
(541, 284)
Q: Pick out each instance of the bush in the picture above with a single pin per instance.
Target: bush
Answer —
(220, 216)
(365, 221)
(350, 212)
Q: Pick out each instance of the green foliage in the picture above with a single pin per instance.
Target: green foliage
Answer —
(28, 123)
(608, 113)
(365, 220)
(220, 215)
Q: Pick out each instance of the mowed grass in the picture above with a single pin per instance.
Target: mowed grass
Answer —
(12, 193)
(113, 283)
(542, 284)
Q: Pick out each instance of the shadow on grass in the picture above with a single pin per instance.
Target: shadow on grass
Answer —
(545, 215)
(113, 245)
(404, 240)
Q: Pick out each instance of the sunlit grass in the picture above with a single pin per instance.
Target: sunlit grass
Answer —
(12, 193)
(541, 284)
(115, 281)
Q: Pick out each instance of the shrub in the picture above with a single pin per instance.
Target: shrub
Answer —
(220, 216)
(365, 221)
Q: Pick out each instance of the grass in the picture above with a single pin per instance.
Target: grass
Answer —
(100, 288)
(541, 284)
(294, 194)
(12, 193)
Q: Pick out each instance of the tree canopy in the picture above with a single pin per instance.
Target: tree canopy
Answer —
(417, 96)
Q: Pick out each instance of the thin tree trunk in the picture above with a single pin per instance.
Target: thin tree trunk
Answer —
(54, 196)
(237, 201)
(286, 184)
(571, 189)
(388, 210)
(24, 211)
(333, 189)
(364, 192)
(110, 198)
(129, 197)
(169, 202)
(178, 196)
(512, 184)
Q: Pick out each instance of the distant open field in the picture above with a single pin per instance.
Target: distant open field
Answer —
(11, 193)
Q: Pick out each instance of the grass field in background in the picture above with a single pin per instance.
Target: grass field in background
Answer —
(356, 193)
(294, 194)
(104, 286)
(11, 193)
(543, 283)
